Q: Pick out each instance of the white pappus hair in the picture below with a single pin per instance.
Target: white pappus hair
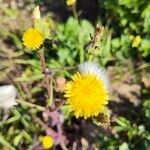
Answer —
(93, 68)
(8, 95)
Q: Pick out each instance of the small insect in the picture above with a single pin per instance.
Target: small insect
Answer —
(93, 44)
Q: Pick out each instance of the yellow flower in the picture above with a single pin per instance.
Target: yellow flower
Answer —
(33, 39)
(136, 41)
(87, 93)
(47, 142)
(70, 2)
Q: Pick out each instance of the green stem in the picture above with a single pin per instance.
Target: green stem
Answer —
(5, 143)
(90, 57)
(74, 10)
(40, 108)
(50, 99)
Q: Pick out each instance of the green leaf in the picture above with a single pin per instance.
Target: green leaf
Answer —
(147, 22)
(66, 111)
(43, 26)
(5, 143)
(145, 46)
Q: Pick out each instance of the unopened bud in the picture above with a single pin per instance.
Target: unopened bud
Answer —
(37, 13)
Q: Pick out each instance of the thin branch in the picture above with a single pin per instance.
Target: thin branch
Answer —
(74, 10)
(48, 80)
(54, 70)
(40, 108)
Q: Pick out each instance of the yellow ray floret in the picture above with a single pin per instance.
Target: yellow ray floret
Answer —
(87, 95)
(33, 39)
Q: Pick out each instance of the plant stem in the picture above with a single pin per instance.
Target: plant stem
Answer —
(54, 70)
(48, 79)
(24, 103)
(44, 126)
(74, 10)
(90, 57)
(62, 143)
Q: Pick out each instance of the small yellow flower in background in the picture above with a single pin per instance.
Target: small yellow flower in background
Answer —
(47, 142)
(136, 41)
(70, 2)
(87, 93)
(33, 39)
(36, 13)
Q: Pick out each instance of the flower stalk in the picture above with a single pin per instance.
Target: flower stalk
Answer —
(48, 79)
(74, 11)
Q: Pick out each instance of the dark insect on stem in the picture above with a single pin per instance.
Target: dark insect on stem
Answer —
(93, 44)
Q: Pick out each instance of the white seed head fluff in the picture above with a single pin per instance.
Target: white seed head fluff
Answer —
(8, 95)
(93, 68)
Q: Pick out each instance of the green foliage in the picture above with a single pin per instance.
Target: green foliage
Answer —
(128, 18)
(70, 38)
(147, 22)
(18, 128)
(43, 25)
(146, 108)
(128, 134)
(145, 46)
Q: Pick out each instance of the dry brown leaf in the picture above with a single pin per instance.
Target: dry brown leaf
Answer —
(146, 82)
(60, 84)
(85, 144)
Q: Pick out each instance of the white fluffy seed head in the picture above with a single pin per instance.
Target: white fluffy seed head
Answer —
(8, 95)
(93, 68)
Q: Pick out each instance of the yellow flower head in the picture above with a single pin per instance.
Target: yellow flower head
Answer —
(136, 41)
(33, 39)
(87, 93)
(47, 142)
(70, 2)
